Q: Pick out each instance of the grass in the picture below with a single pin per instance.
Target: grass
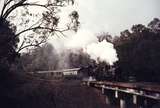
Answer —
(21, 91)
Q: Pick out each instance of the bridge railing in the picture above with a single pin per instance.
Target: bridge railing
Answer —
(140, 95)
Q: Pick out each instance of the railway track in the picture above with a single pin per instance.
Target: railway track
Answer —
(141, 95)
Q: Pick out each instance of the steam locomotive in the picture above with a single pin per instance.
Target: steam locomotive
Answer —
(99, 72)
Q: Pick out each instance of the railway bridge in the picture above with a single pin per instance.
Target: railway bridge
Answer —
(125, 95)
(129, 95)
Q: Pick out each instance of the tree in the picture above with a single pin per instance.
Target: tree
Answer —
(29, 32)
(138, 53)
(79, 59)
(8, 45)
(43, 58)
(104, 36)
(46, 24)
(155, 25)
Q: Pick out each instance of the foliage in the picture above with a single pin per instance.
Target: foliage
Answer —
(34, 28)
(31, 33)
(104, 36)
(8, 45)
(79, 59)
(43, 58)
(138, 53)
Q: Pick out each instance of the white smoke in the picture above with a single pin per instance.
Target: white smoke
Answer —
(88, 42)
(84, 40)
(102, 51)
(81, 39)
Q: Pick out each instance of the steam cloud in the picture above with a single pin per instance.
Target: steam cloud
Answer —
(103, 51)
(88, 42)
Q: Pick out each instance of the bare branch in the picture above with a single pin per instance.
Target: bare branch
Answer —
(5, 5)
(21, 4)
(45, 6)
(43, 28)
(13, 7)
(42, 41)
(31, 45)
(22, 44)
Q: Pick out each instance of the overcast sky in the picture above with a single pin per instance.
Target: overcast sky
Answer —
(114, 16)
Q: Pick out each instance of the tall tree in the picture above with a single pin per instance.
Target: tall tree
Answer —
(29, 32)
(44, 58)
(45, 25)
(8, 45)
(138, 52)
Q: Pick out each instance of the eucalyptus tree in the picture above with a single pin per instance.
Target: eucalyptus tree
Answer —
(138, 52)
(34, 21)
(29, 23)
